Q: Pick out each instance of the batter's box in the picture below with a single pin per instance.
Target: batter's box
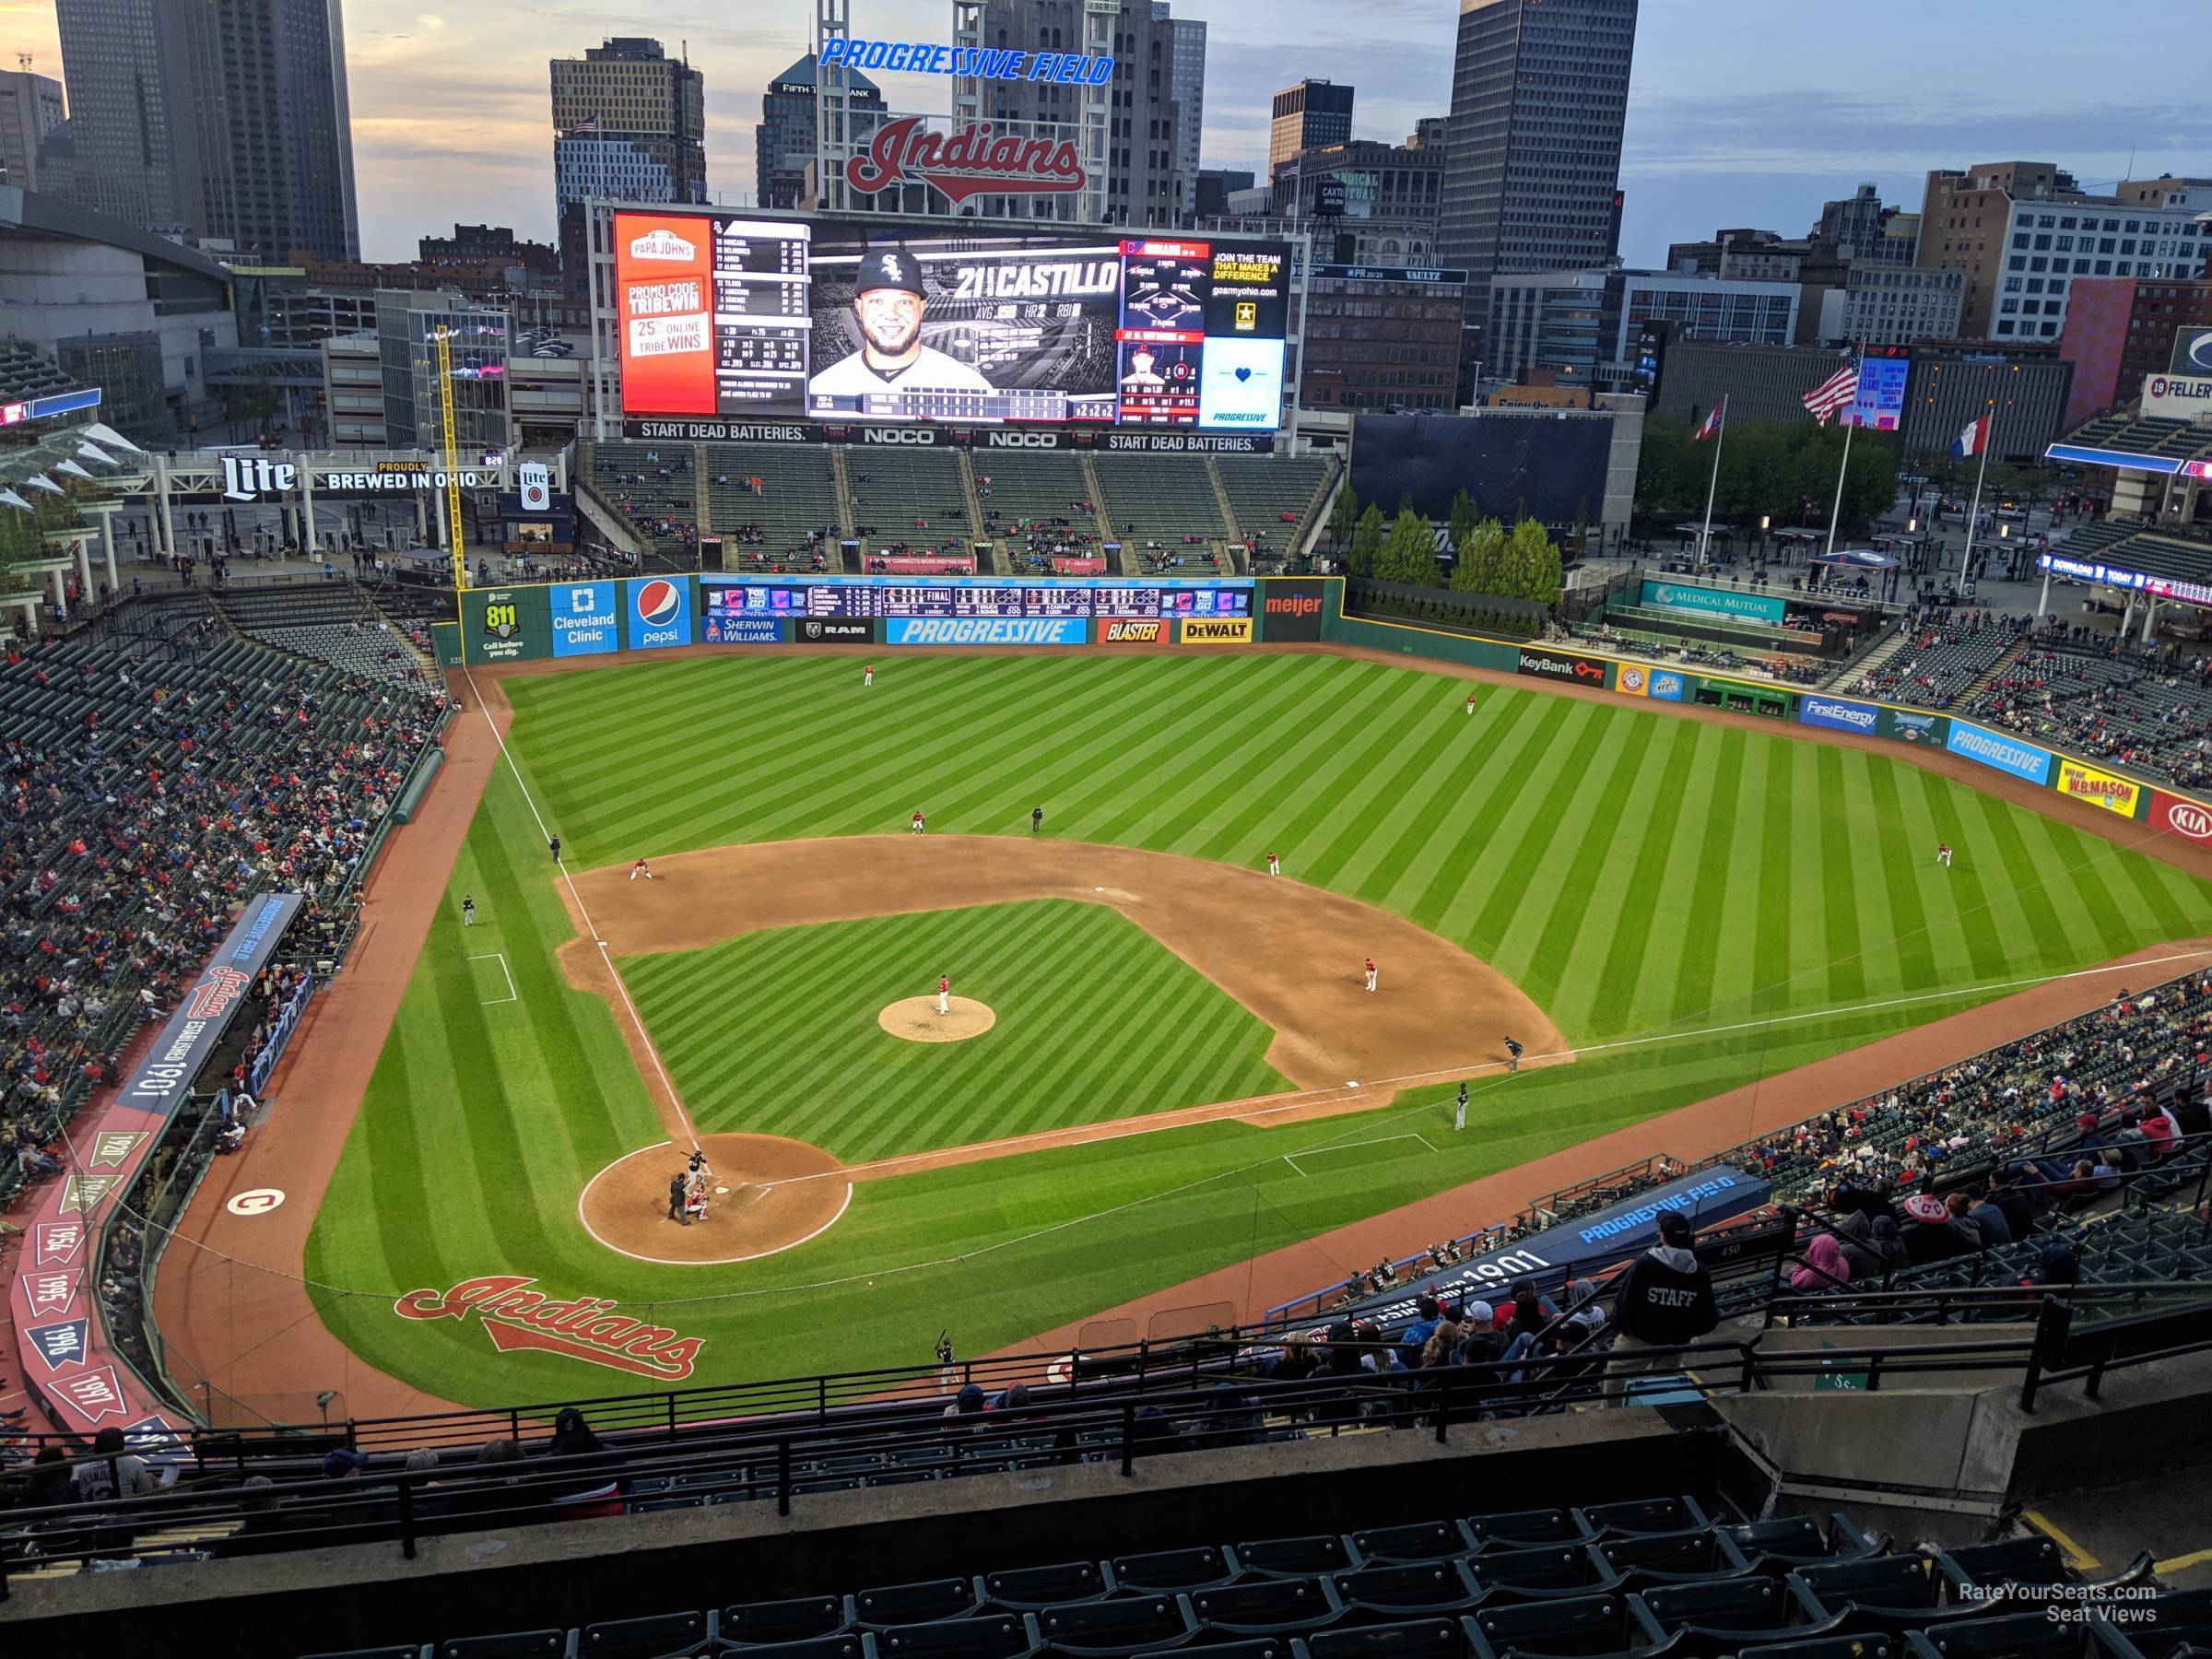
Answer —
(494, 984)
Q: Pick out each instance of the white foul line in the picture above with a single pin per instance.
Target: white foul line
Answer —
(500, 957)
(1381, 1140)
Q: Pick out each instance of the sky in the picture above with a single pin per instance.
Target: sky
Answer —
(1740, 113)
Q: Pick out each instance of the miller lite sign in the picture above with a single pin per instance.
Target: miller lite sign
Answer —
(533, 480)
(248, 478)
(975, 161)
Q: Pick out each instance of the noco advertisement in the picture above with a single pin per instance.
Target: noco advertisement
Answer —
(838, 320)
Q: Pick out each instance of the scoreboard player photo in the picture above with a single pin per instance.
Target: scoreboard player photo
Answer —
(963, 329)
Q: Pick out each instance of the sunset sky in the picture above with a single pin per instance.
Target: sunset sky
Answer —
(1742, 111)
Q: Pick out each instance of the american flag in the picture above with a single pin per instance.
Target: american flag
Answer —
(590, 124)
(1833, 393)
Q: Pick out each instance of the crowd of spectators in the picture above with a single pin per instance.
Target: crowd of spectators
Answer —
(2149, 714)
(143, 798)
(1942, 657)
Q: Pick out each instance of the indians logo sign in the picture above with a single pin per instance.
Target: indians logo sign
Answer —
(514, 1316)
(971, 162)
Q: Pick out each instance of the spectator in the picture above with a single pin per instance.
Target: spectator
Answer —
(111, 1472)
(1825, 1267)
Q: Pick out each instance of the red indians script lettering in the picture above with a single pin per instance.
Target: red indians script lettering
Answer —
(971, 162)
(217, 992)
(514, 1316)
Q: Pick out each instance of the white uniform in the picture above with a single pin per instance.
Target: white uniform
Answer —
(943, 998)
(931, 372)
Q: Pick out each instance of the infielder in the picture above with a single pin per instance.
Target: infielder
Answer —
(1370, 973)
(1513, 1056)
(1274, 865)
(1459, 1112)
(1036, 819)
(1943, 854)
(944, 994)
(917, 823)
(468, 911)
(639, 869)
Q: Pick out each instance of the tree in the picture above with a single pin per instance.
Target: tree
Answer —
(1532, 562)
(1465, 515)
(1344, 513)
(1409, 558)
(1367, 542)
(1478, 569)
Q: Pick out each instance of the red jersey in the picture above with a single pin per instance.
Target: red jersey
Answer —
(943, 984)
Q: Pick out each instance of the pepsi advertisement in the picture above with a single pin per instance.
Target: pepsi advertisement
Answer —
(659, 611)
(584, 619)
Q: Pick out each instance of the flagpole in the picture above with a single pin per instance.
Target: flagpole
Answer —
(1974, 514)
(1836, 512)
(1720, 436)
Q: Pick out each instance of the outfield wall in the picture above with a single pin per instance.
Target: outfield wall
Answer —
(626, 616)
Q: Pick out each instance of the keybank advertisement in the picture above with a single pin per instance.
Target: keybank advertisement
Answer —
(1715, 602)
(659, 611)
(2007, 754)
(584, 619)
(1839, 716)
(987, 631)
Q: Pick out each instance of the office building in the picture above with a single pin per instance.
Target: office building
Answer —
(1187, 87)
(1580, 327)
(1216, 185)
(1890, 305)
(226, 122)
(2120, 329)
(30, 109)
(1428, 133)
(2023, 231)
(1311, 115)
(1362, 179)
(407, 327)
(1127, 131)
(1384, 339)
(783, 145)
(1855, 224)
(1532, 175)
(492, 250)
(630, 124)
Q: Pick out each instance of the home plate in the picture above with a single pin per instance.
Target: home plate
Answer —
(720, 1190)
(1097, 889)
(1352, 1082)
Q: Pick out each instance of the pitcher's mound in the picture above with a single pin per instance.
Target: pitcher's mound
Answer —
(916, 1020)
(766, 1194)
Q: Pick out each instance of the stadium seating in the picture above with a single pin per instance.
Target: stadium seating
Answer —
(1821, 1589)
(25, 372)
(1162, 499)
(2150, 718)
(791, 515)
(332, 621)
(651, 485)
(1262, 488)
(894, 488)
(1026, 487)
(1943, 659)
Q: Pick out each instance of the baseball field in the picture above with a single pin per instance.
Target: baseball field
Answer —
(1665, 907)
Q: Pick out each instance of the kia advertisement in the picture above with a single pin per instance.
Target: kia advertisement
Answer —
(2177, 815)
(856, 320)
(659, 608)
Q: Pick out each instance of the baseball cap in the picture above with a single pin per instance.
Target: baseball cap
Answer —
(1479, 1314)
(342, 1462)
(1926, 1207)
(888, 268)
(1673, 1227)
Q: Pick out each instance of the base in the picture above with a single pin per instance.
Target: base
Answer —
(781, 1193)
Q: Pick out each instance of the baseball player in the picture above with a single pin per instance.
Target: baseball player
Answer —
(1370, 973)
(1943, 854)
(944, 994)
(1513, 1056)
(1274, 865)
(917, 821)
(1470, 702)
(468, 911)
(678, 1191)
(1459, 1112)
(639, 869)
(867, 676)
(1036, 819)
(553, 845)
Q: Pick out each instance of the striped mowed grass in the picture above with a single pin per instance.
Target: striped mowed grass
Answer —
(774, 1032)
(1653, 880)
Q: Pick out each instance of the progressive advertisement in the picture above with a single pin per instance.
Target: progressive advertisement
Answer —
(847, 320)
(1995, 749)
(985, 631)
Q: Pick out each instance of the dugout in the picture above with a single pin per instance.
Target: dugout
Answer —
(1739, 698)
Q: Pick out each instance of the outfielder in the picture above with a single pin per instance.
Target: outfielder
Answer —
(944, 994)
(1943, 854)
(1274, 865)
(639, 868)
(1370, 973)
(867, 676)
(1470, 702)
(1459, 1112)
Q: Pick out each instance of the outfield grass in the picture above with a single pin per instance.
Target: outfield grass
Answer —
(1645, 878)
(774, 1032)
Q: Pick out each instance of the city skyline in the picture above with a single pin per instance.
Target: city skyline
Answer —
(1737, 115)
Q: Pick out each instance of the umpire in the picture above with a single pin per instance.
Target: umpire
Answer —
(676, 1199)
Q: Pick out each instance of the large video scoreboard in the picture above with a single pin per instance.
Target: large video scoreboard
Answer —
(1072, 597)
(746, 318)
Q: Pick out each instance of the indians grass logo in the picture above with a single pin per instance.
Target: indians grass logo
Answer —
(514, 1316)
(968, 163)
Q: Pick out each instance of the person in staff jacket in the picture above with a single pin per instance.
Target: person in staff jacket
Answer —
(1664, 1300)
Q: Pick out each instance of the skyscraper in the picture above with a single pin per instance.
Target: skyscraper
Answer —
(30, 108)
(227, 119)
(1539, 91)
(1187, 87)
(1311, 115)
(630, 124)
(783, 143)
